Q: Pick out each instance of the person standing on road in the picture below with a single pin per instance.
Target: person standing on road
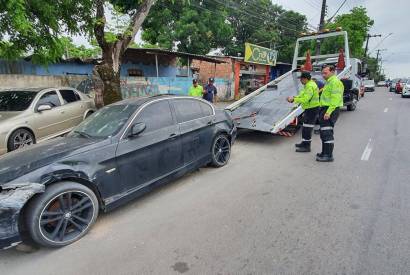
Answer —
(210, 91)
(309, 99)
(320, 85)
(196, 90)
(331, 99)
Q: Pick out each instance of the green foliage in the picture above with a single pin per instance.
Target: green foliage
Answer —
(196, 27)
(357, 24)
(73, 51)
(35, 26)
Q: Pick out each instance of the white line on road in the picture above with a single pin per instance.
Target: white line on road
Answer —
(367, 151)
(391, 98)
(386, 110)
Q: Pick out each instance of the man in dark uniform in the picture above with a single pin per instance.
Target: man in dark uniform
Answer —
(210, 91)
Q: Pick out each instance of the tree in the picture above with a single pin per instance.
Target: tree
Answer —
(357, 24)
(196, 26)
(35, 27)
(113, 45)
(73, 51)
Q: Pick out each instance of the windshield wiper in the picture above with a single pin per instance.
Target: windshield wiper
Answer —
(83, 134)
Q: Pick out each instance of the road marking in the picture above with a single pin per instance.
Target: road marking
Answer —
(367, 151)
(391, 98)
(386, 110)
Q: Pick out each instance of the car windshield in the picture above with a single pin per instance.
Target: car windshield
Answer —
(106, 122)
(16, 101)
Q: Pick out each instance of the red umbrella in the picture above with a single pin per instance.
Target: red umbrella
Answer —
(341, 61)
(308, 63)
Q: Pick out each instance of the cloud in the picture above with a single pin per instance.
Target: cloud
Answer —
(388, 16)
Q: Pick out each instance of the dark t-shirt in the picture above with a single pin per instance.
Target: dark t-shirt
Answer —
(210, 90)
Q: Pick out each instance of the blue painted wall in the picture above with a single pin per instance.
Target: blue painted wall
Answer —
(26, 67)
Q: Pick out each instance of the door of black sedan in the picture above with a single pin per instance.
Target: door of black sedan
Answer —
(155, 152)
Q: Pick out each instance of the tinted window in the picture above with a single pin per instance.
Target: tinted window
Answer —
(156, 116)
(69, 96)
(15, 101)
(187, 109)
(206, 109)
(50, 98)
(106, 122)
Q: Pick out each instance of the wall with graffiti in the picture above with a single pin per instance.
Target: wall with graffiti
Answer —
(149, 86)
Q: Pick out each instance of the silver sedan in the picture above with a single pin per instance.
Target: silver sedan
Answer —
(28, 116)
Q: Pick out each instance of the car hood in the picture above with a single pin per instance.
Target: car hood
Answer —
(24, 161)
(7, 115)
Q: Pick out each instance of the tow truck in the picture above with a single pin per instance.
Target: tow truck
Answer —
(267, 110)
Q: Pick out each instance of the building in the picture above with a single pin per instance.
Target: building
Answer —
(245, 77)
(143, 72)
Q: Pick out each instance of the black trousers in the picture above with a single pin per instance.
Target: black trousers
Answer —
(309, 119)
(327, 126)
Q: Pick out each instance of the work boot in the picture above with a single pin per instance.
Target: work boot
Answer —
(304, 148)
(321, 153)
(327, 155)
(302, 144)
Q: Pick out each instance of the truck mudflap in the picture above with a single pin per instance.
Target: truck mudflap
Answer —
(12, 199)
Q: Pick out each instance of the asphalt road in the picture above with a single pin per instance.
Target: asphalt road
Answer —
(269, 211)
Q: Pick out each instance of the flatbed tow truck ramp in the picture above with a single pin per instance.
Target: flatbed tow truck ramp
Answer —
(267, 109)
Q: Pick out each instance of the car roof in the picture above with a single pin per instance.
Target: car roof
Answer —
(138, 101)
(34, 89)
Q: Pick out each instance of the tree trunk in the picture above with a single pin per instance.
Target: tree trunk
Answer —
(109, 70)
(111, 83)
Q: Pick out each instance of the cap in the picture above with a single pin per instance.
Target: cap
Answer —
(305, 75)
(211, 79)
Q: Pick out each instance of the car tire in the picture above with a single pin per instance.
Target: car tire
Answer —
(61, 215)
(19, 139)
(221, 151)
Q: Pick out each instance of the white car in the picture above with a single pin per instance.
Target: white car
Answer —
(381, 84)
(369, 85)
(406, 89)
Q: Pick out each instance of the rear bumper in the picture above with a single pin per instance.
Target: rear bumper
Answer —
(13, 197)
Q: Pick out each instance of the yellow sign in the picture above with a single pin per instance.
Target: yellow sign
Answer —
(260, 55)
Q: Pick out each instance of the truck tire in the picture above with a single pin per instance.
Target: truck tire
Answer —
(351, 107)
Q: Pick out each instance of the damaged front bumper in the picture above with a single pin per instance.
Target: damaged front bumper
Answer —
(13, 197)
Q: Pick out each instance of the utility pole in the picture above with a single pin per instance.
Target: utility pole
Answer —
(321, 25)
(377, 62)
(367, 42)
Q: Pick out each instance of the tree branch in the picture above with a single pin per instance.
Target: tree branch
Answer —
(99, 25)
(136, 21)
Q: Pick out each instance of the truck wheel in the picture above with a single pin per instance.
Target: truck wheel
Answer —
(351, 107)
(221, 151)
(61, 215)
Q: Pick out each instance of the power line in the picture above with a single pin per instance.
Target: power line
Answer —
(330, 19)
(380, 42)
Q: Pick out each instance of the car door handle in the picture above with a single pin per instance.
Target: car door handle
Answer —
(172, 135)
(210, 122)
(62, 112)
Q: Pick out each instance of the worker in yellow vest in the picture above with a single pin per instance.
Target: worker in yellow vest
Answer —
(196, 90)
(308, 98)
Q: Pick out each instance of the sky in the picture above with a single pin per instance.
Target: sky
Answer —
(389, 18)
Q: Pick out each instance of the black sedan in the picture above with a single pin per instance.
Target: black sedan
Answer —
(52, 192)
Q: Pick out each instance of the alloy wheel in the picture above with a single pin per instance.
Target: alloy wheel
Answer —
(22, 139)
(66, 217)
(222, 150)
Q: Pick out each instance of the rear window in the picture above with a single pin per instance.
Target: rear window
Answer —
(69, 96)
(187, 109)
(16, 101)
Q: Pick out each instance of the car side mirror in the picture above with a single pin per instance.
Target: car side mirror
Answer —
(44, 107)
(137, 129)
